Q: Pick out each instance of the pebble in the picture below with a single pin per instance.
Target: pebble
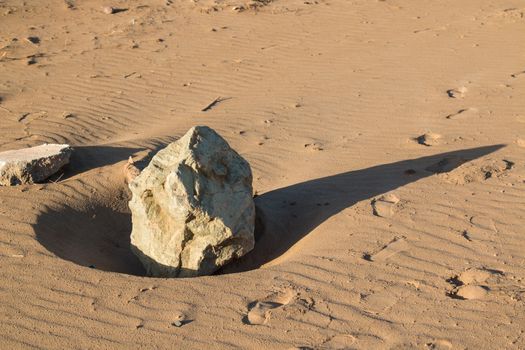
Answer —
(33, 39)
(108, 10)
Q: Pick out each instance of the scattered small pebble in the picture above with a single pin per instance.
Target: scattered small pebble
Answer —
(33, 39)
(180, 321)
(314, 146)
(70, 4)
(108, 10)
(428, 139)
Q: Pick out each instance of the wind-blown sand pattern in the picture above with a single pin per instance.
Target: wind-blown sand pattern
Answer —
(328, 101)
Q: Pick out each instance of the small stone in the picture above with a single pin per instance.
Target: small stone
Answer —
(192, 207)
(33, 39)
(177, 323)
(108, 10)
(428, 139)
(238, 8)
(32, 165)
(70, 4)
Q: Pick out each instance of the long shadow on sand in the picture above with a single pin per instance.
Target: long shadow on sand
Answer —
(85, 158)
(288, 214)
(98, 237)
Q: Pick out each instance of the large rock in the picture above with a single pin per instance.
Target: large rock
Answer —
(192, 207)
(31, 165)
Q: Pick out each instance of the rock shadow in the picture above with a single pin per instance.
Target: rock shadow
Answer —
(288, 214)
(98, 237)
(85, 158)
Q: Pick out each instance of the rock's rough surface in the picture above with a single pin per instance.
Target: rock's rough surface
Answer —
(192, 207)
(31, 165)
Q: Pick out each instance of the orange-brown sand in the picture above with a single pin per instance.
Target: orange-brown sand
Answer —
(387, 144)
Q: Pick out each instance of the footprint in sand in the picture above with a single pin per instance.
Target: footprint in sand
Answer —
(428, 139)
(385, 206)
(480, 170)
(457, 93)
(475, 275)
(484, 223)
(260, 311)
(464, 113)
(472, 292)
(460, 172)
(396, 246)
(339, 342)
(482, 228)
(472, 283)
(446, 164)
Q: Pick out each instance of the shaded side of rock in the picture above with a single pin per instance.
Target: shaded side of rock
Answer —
(192, 207)
(32, 165)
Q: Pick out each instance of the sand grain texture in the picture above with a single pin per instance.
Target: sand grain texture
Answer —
(325, 99)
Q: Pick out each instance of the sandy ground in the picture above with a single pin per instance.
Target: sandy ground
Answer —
(387, 144)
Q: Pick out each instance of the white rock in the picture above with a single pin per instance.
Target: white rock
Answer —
(108, 10)
(192, 207)
(31, 165)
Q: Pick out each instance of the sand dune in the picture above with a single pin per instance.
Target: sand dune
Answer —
(386, 143)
